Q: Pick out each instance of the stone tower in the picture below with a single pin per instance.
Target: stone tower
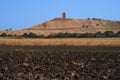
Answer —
(63, 15)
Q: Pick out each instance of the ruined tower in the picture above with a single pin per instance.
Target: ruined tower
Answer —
(63, 15)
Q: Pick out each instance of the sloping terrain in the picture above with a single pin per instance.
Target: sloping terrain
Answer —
(72, 26)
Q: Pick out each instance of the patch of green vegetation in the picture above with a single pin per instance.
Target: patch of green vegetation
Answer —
(66, 35)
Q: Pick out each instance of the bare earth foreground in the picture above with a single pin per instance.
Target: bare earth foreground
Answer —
(61, 42)
(60, 59)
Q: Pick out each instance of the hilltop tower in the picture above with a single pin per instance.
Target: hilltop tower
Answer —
(63, 15)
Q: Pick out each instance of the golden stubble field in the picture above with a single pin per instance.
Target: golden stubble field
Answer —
(61, 42)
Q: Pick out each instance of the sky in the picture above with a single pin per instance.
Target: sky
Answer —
(21, 14)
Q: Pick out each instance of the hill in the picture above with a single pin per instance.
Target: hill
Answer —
(76, 26)
(71, 26)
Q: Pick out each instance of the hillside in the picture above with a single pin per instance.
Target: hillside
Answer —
(71, 26)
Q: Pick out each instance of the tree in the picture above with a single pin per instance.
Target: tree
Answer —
(88, 18)
(32, 35)
(25, 35)
(109, 33)
(117, 34)
(98, 34)
(3, 35)
(86, 35)
(40, 36)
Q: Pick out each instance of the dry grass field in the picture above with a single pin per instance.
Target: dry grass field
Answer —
(61, 42)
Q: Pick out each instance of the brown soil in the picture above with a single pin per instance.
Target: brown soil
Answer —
(47, 65)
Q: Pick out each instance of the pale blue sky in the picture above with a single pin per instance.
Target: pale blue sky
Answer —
(20, 14)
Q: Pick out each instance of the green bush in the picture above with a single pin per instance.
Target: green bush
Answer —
(3, 35)
(67, 35)
(109, 33)
(32, 35)
(99, 35)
